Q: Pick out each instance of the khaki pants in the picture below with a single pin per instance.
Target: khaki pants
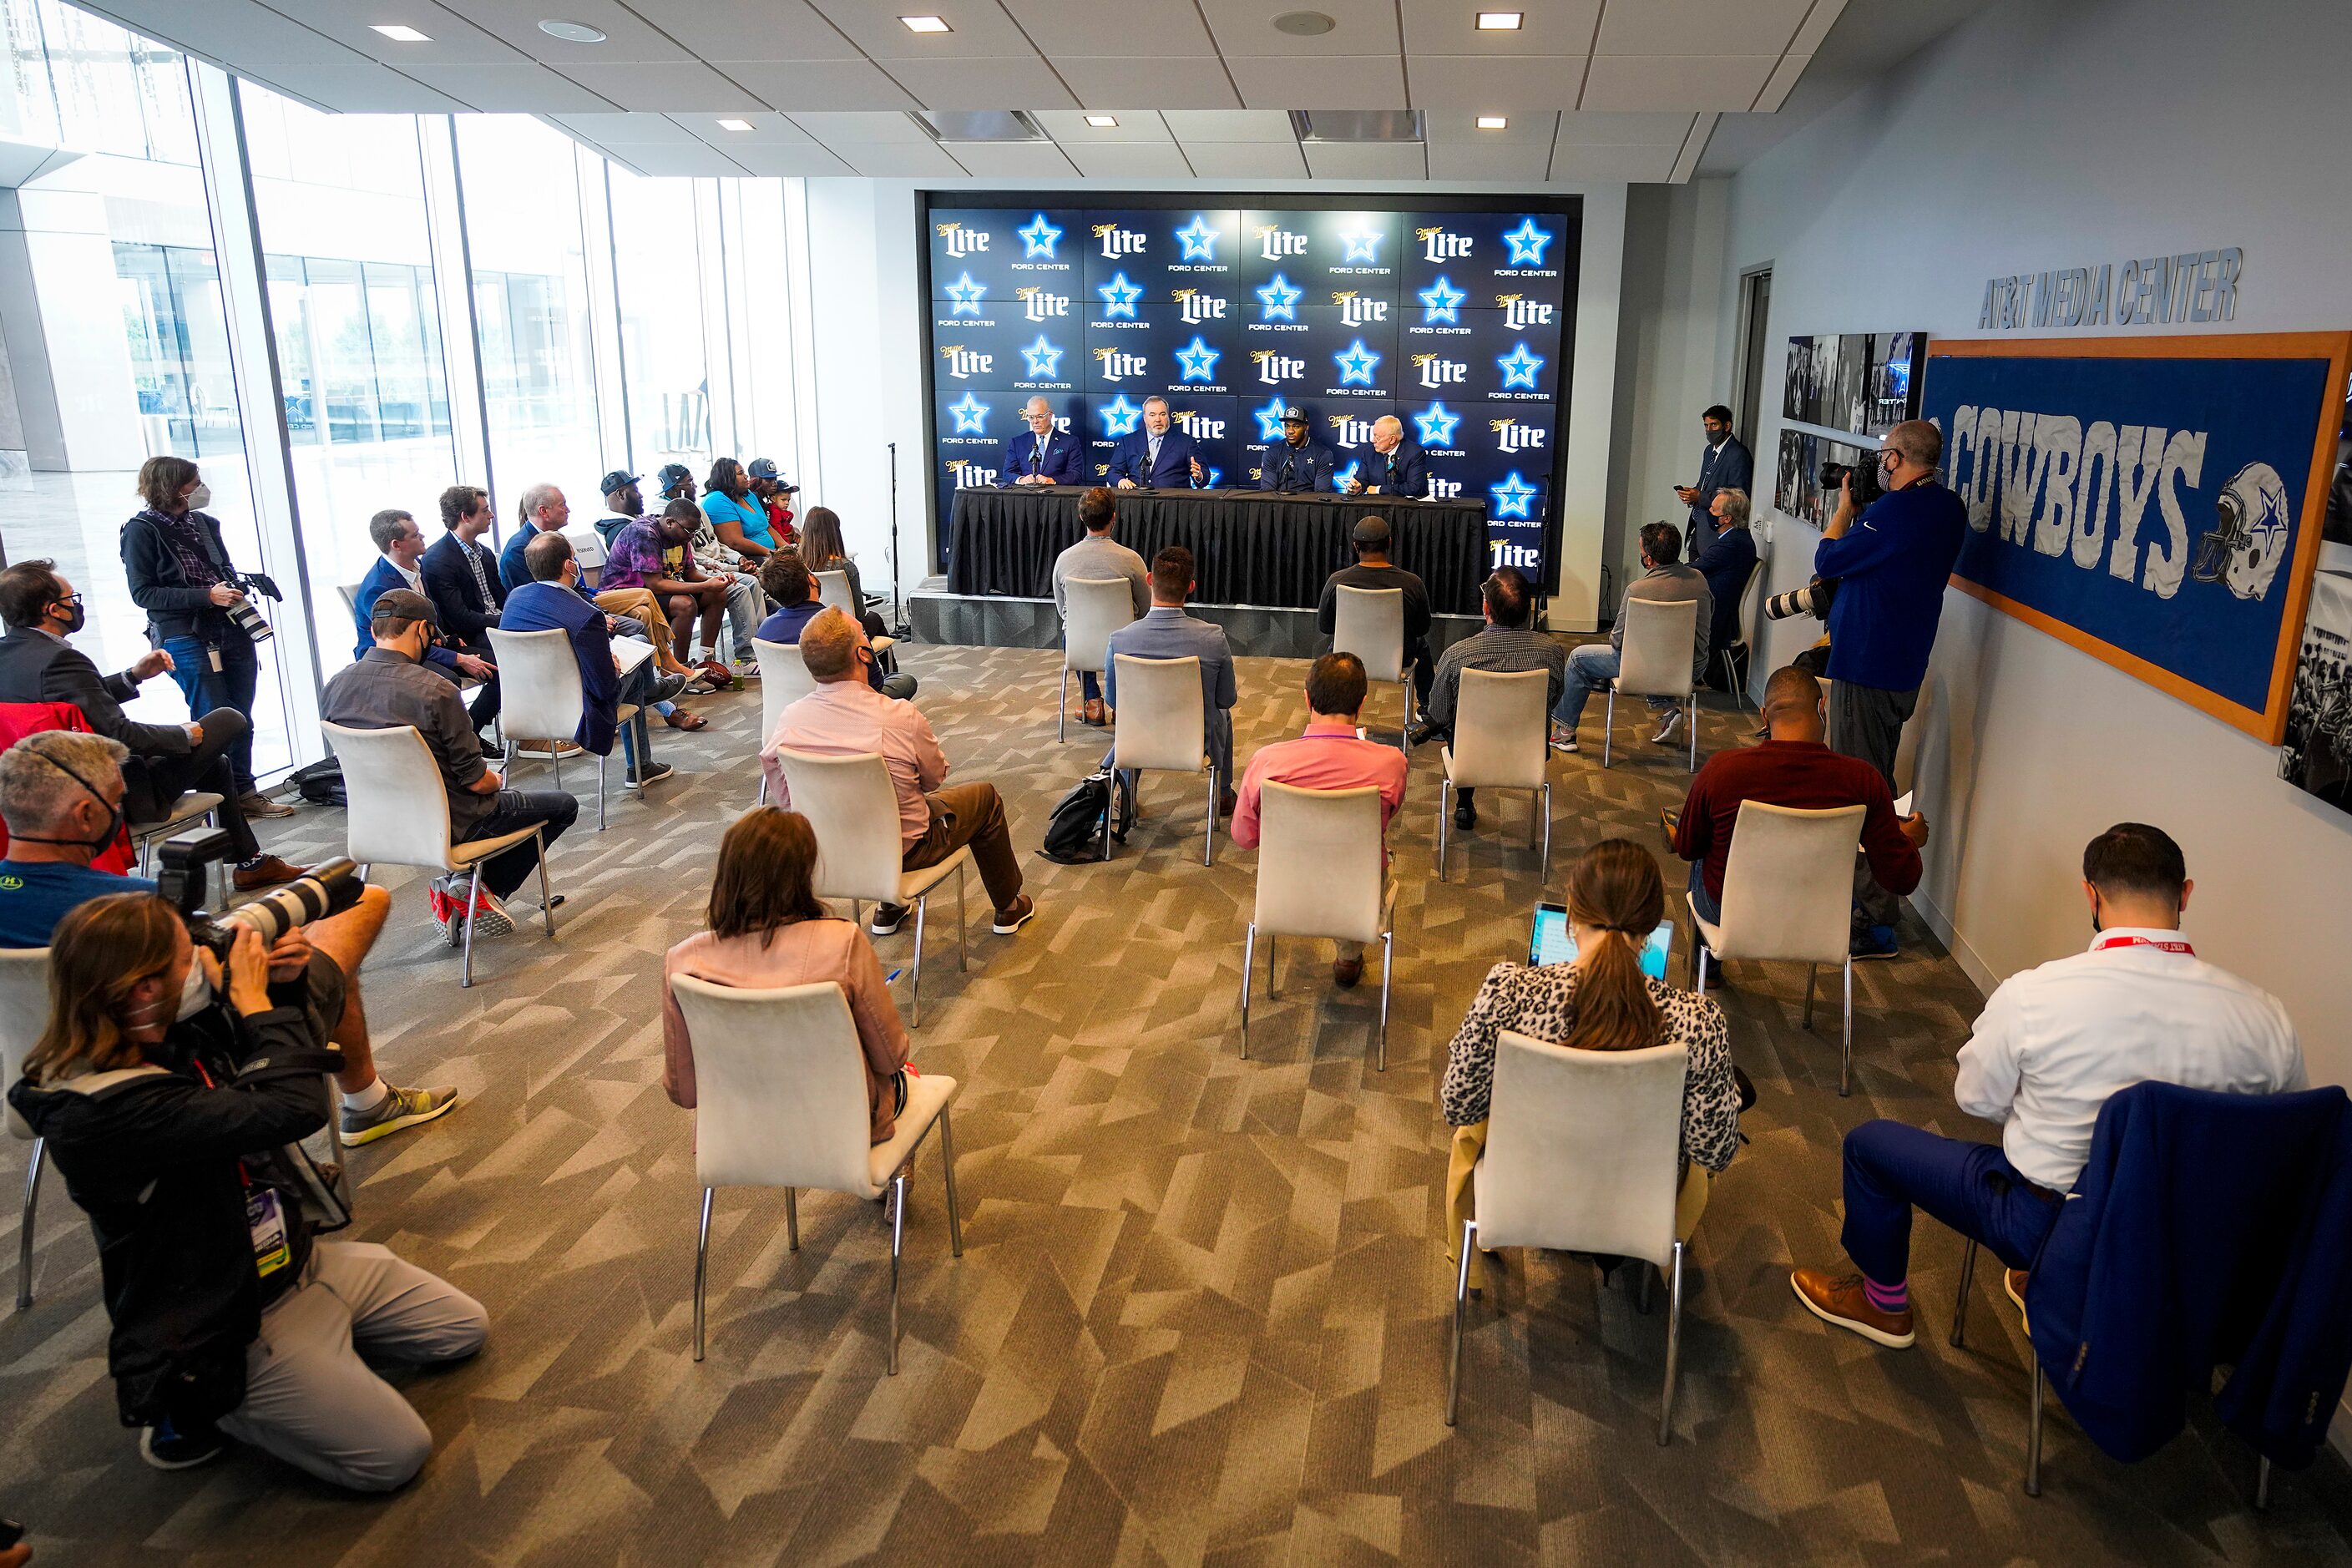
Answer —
(640, 605)
(970, 814)
(1470, 1143)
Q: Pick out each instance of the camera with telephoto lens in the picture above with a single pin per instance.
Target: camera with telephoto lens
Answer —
(1812, 599)
(1866, 488)
(329, 888)
(250, 620)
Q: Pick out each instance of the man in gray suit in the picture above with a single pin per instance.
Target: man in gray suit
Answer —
(1167, 632)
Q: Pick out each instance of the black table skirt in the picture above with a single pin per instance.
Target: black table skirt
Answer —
(1249, 547)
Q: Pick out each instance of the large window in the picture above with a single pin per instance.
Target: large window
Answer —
(658, 266)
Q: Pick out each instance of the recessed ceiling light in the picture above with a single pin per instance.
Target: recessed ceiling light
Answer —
(1492, 122)
(734, 125)
(1102, 121)
(927, 23)
(1304, 24)
(400, 35)
(572, 32)
(1498, 21)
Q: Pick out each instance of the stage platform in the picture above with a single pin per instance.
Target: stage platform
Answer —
(990, 620)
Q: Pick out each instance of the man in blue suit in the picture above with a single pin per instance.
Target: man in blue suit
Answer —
(1156, 458)
(400, 544)
(1042, 455)
(550, 601)
(1295, 463)
(1724, 464)
(1397, 466)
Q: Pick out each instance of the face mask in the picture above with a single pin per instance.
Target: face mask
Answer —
(201, 497)
(74, 618)
(114, 820)
(196, 994)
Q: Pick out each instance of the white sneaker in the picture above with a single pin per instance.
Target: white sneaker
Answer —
(491, 917)
(1667, 726)
(1563, 740)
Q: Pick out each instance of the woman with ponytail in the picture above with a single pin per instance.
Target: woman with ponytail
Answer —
(1600, 1002)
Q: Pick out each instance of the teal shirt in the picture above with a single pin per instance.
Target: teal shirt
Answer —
(751, 513)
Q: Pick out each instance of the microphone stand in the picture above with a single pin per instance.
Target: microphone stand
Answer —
(899, 628)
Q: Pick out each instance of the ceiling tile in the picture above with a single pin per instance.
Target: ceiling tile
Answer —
(1816, 26)
(1654, 164)
(1154, 29)
(627, 130)
(362, 86)
(981, 30)
(1069, 127)
(1366, 161)
(1284, 81)
(1228, 124)
(768, 129)
(682, 85)
(1519, 161)
(525, 87)
(628, 36)
(1246, 28)
(833, 129)
(1014, 160)
(827, 85)
(1246, 160)
(1450, 28)
(452, 40)
(1713, 28)
(898, 160)
(231, 30)
(1458, 127)
(1484, 83)
(1022, 81)
(1784, 77)
(1125, 82)
(1131, 160)
(1591, 128)
(691, 161)
(808, 159)
(726, 30)
(1723, 82)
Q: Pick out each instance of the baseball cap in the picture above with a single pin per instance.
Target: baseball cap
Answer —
(401, 604)
(1372, 530)
(765, 468)
(617, 479)
(671, 473)
(1294, 415)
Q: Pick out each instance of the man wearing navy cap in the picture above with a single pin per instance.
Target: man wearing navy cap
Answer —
(1295, 462)
(624, 502)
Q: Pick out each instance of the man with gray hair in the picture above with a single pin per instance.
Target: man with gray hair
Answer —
(61, 796)
(1725, 562)
(1396, 468)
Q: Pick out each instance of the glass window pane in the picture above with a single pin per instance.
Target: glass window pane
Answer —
(659, 275)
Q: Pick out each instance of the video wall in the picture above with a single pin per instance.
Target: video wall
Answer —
(1458, 319)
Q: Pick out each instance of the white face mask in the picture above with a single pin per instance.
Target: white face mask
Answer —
(201, 497)
(196, 994)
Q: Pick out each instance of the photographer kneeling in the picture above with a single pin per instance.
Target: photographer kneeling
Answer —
(61, 796)
(1890, 561)
(169, 1119)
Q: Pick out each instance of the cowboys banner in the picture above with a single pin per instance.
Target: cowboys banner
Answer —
(1456, 322)
(2154, 501)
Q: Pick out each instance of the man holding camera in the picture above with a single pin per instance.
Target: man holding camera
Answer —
(61, 794)
(1890, 561)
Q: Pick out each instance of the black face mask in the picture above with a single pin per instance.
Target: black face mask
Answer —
(97, 845)
(75, 617)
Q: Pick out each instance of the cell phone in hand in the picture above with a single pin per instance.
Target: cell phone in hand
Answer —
(11, 1532)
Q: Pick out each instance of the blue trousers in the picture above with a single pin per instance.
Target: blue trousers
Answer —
(1709, 909)
(1892, 1168)
(1591, 669)
(232, 686)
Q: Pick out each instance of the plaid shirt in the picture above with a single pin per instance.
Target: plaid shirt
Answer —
(634, 558)
(1501, 650)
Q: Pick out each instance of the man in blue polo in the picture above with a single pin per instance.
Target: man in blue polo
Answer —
(1156, 458)
(1044, 453)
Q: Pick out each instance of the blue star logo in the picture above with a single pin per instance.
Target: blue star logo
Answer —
(970, 415)
(1199, 240)
(1214, 474)
(1196, 361)
(1119, 297)
(1518, 367)
(1341, 477)
(1043, 357)
(1435, 428)
(1280, 300)
(1119, 416)
(1363, 246)
(1039, 236)
(1269, 421)
(966, 295)
(1526, 243)
(1442, 301)
(1512, 498)
(1356, 365)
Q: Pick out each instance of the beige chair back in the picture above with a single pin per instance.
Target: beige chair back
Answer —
(1098, 607)
(587, 545)
(398, 808)
(1160, 714)
(1583, 1149)
(783, 679)
(1788, 888)
(833, 592)
(780, 1087)
(539, 694)
(350, 593)
(1500, 738)
(849, 802)
(24, 1012)
(1369, 624)
(1751, 603)
(1660, 641)
(1322, 870)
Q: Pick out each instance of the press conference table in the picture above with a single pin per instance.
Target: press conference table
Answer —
(1249, 547)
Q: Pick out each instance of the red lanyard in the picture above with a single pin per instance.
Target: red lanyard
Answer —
(2145, 941)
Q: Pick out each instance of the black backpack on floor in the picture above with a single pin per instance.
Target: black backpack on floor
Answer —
(320, 783)
(1074, 833)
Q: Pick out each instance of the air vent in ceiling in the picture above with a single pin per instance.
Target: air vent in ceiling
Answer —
(979, 125)
(1357, 124)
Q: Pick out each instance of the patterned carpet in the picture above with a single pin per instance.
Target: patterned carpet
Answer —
(1201, 1315)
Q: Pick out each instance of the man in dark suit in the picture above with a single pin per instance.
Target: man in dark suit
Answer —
(400, 544)
(551, 601)
(1044, 453)
(461, 578)
(37, 665)
(1295, 462)
(1156, 458)
(1397, 466)
(1725, 465)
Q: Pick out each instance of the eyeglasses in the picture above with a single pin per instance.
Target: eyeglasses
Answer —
(73, 600)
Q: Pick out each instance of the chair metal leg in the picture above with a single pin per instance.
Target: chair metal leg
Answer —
(1812, 969)
(1387, 967)
(897, 1238)
(546, 900)
(947, 1163)
(915, 998)
(1546, 869)
(2034, 1435)
(1673, 1346)
(762, 798)
(1445, 797)
(792, 1219)
(1249, 960)
(963, 926)
(1694, 731)
(1699, 958)
(1845, 1060)
(555, 761)
(1461, 1305)
(24, 1227)
(1273, 966)
(1110, 799)
(1960, 1307)
(600, 792)
(2262, 1486)
(701, 1270)
(1609, 727)
(1062, 709)
(473, 897)
(1404, 700)
(1209, 834)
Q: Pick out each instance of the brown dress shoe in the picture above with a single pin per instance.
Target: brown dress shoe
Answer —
(1843, 1301)
(1226, 801)
(266, 872)
(1345, 971)
(1093, 713)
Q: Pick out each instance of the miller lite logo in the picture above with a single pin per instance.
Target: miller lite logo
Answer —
(1350, 432)
(1355, 310)
(1117, 363)
(1277, 243)
(1196, 306)
(969, 474)
(1276, 367)
(1510, 436)
(1118, 241)
(1438, 245)
(962, 241)
(964, 363)
(1434, 369)
(1039, 305)
(1200, 426)
(1506, 554)
(1523, 313)
(1443, 489)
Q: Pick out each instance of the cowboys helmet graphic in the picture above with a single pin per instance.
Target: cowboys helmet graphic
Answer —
(2253, 530)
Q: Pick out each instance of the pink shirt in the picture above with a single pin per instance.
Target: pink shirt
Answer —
(1328, 756)
(845, 717)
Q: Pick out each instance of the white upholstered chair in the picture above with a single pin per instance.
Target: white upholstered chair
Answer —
(1752, 604)
(1369, 624)
(1654, 660)
(784, 679)
(540, 698)
(835, 593)
(1098, 607)
(1584, 1154)
(24, 1012)
(1161, 728)
(779, 1101)
(1501, 729)
(1322, 871)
